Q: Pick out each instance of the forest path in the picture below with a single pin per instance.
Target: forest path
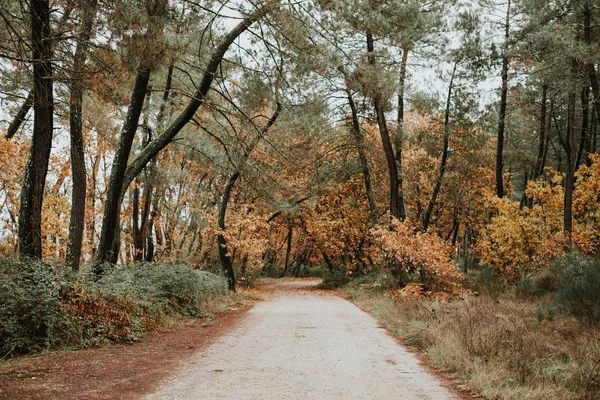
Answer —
(303, 344)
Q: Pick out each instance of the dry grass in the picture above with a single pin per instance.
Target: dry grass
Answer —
(499, 346)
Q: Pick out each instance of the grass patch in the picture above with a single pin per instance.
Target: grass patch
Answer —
(500, 345)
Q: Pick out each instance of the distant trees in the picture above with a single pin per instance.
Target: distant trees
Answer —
(165, 105)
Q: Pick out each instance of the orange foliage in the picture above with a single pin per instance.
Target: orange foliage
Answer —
(421, 253)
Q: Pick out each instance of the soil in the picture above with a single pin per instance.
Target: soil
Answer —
(113, 372)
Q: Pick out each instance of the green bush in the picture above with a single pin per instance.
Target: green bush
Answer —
(307, 271)
(31, 313)
(169, 288)
(578, 286)
(42, 307)
(334, 280)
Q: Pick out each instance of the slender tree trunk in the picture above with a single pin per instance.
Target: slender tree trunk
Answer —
(20, 117)
(225, 258)
(524, 200)
(162, 140)
(79, 191)
(593, 132)
(385, 137)
(32, 193)
(288, 250)
(569, 148)
(503, 103)
(399, 139)
(359, 141)
(542, 143)
(136, 230)
(113, 201)
(587, 35)
(328, 261)
(585, 121)
(226, 261)
(438, 183)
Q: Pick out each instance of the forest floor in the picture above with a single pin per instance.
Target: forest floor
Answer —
(299, 343)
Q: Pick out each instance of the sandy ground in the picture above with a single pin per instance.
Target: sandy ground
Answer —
(303, 344)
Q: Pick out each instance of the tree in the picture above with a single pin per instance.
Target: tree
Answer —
(123, 173)
(79, 190)
(34, 182)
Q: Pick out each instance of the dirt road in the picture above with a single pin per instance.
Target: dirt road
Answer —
(303, 345)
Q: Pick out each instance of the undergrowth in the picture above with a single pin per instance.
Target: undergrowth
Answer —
(501, 344)
(45, 307)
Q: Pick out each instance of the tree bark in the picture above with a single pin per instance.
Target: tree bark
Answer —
(585, 120)
(225, 258)
(569, 149)
(79, 191)
(400, 133)
(359, 141)
(114, 198)
(32, 193)
(20, 117)
(385, 137)
(502, 114)
(438, 183)
(288, 250)
(543, 139)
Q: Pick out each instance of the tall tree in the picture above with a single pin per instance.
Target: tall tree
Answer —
(503, 103)
(32, 193)
(107, 245)
(79, 191)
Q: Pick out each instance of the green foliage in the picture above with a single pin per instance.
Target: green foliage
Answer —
(334, 280)
(43, 308)
(171, 288)
(307, 271)
(578, 289)
(31, 315)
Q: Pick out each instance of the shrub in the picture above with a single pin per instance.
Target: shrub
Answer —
(31, 314)
(42, 308)
(578, 289)
(334, 280)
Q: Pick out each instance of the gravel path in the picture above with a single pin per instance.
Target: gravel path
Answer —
(304, 345)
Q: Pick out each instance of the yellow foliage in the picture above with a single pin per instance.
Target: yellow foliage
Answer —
(518, 241)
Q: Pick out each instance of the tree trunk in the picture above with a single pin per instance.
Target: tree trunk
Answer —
(114, 198)
(288, 250)
(438, 183)
(359, 141)
(585, 120)
(136, 231)
(503, 103)
(385, 137)
(569, 149)
(400, 133)
(20, 117)
(32, 193)
(162, 140)
(79, 191)
(543, 140)
(226, 260)
(587, 34)
(224, 257)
